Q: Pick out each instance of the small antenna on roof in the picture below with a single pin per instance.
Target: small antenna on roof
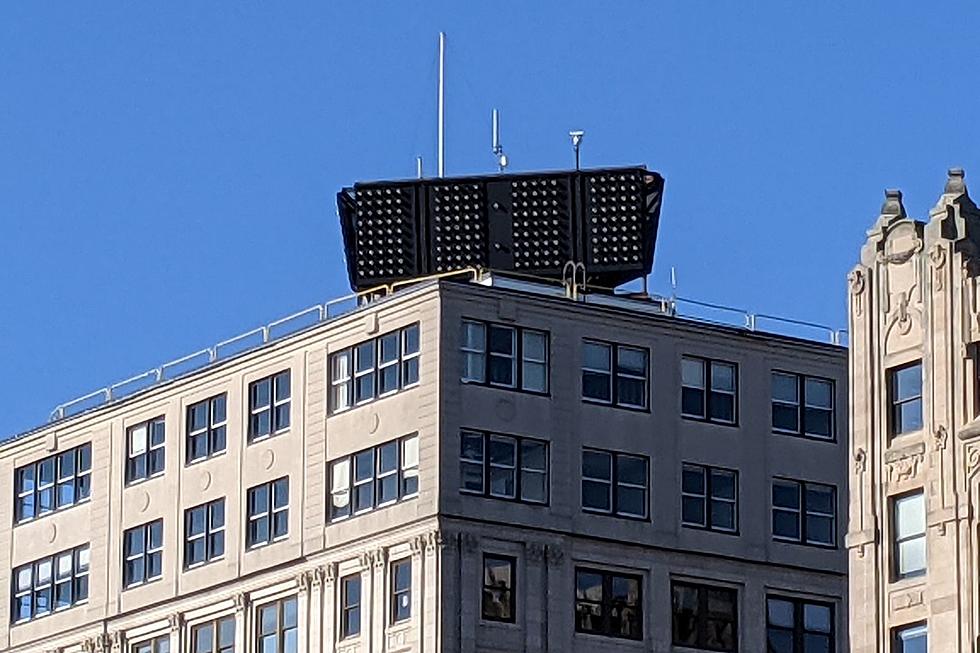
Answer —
(576, 142)
(418, 167)
(496, 147)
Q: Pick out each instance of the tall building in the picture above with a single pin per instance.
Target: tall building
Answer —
(466, 464)
(915, 330)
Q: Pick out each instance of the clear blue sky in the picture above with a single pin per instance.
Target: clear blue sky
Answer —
(168, 170)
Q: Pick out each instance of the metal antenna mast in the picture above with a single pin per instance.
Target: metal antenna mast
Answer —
(442, 104)
(496, 147)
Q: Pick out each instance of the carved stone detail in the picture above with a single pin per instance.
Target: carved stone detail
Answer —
(380, 558)
(365, 559)
(241, 602)
(554, 554)
(303, 581)
(330, 573)
(434, 540)
(940, 439)
(417, 544)
(906, 599)
(860, 461)
(175, 621)
(469, 542)
(856, 283)
(937, 256)
(316, 578)
(905, 468)
(972, 461)
(350, 648)
(536, 552)
(117, 641)
(397, 640)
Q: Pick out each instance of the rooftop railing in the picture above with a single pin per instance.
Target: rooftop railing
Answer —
(334, 308)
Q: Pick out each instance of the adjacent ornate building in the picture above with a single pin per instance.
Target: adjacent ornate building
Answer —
(915, 436)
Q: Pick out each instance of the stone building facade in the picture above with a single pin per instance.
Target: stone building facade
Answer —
(458, 466)
(915, 453)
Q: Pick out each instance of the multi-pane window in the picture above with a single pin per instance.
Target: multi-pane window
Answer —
(51, 483)
(910, 639)
(803, 405)
(909, 543)
(608, 603)
(709, 390)
(704, 617)
(615, 483)
(268, 513)
(905, 398)
(505, 356)
(206, 428)
(268, 406)
(374, 368)
(204, 533)
(401, 590)
(614, 374)
(143, 553)
(145, 450)
(159, 644)
(499, 582)
(799, 626)
(375, 477)
(214, 636)
(350, 606)
(709, 498)
(277, 630)
(804, 512)
(503, 466)
(50, 584)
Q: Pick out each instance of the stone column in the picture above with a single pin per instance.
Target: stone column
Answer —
(535, 596)
(436, 547)
(241, 621)
(560, 630)
(303, 580)
(420, 597)
(315, 611)
(367, 600)
(379, 599)
(328, 612)
(469, 580)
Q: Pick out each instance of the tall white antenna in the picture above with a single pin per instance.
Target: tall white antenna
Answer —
(496, 147)
(442, 104)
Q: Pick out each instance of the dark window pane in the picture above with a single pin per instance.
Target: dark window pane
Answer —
(596, 385)
(722, 407)
(631, 391)
(692, 402)
(693, 511)
(786, 524)
(631, 469)
(501, 371)
(501, 340)
(820, 529)
(785, 418)
(817, 421)
(595, 496)
(631, 501)
(723, 515)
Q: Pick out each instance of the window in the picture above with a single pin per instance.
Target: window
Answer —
(401, 590)
(615, 483)
(204, 533)
(143, 553)
(910, 639)
(277, 627)
(268, 406)
(376, 368)
(909, 545)
(709, 390)
(704, 617)
(206, 428)
(55, 482)
(798, 626)
(499, 576)
(614, 374)
(803, 405)
(350, 606)
(608, 604)
(214, 636)
(268, 513)
(50, 584)
(503, 467)
(159, 644)
(505, 356)
(804, 512)
(145, 450)
(375, 477)
(709, 498)
(905, 398)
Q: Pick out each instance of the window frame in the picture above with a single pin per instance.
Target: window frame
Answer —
(215, 625)
(210, 431)
(157, 644)
(708, 497)
(345, 607)
(76, 579)
(896, 541)
(702, 617)
(269, 512)
(799, 630)
(207, 534)
(803, 511)
(394, 592)
(518, 359)
(279, 605)
(273, 406)
(145, 555)
(605, 603)
(914, 628)
(350, 379)
(615, 374)
(707, 366)
(131, 477)
(615, 483)
(403, 470)
(80, 479)
(511, 590)
(519, 468)
(893, 401)
(802, 405)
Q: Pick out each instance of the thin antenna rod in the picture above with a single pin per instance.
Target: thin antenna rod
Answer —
(442, 104)
(496, 131)
(418, 167)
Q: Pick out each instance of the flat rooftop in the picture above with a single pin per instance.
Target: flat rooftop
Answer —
(736, 320)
